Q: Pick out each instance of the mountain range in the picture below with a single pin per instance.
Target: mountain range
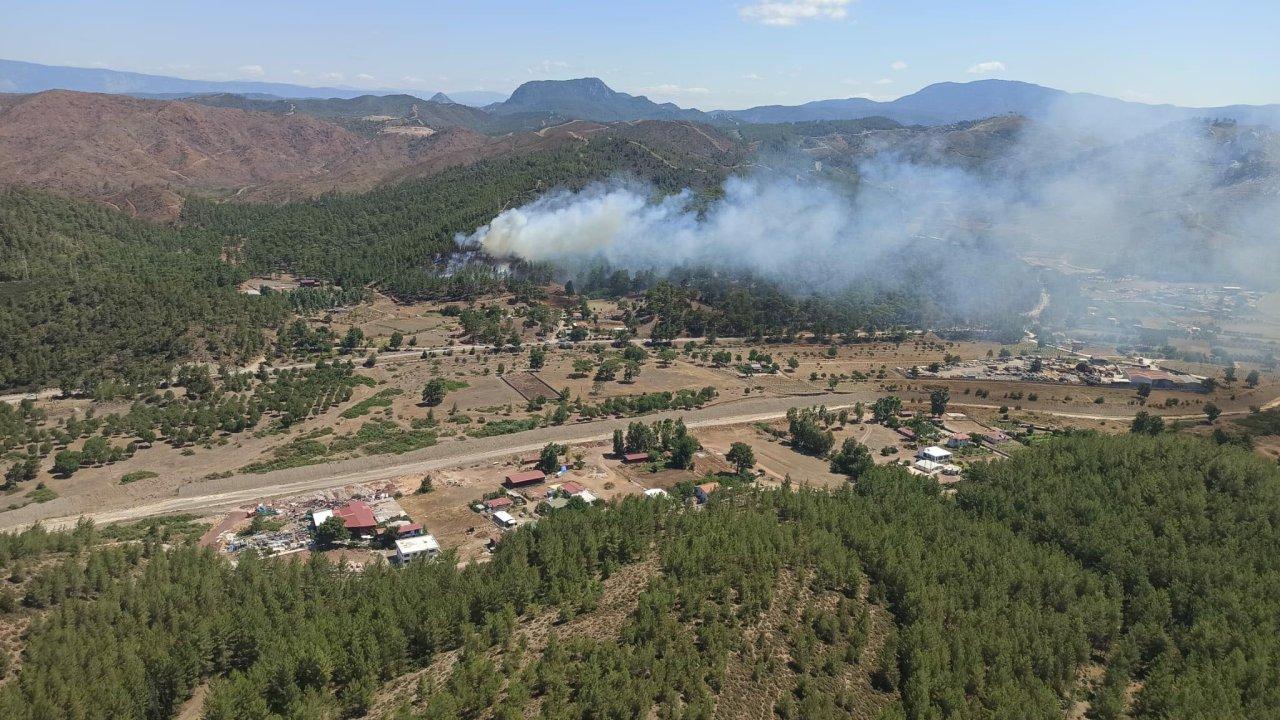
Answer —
(543, 102)
(26, 77)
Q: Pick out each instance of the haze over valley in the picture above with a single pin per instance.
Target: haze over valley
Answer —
(799, 359)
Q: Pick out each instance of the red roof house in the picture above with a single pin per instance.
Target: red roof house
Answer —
(572, 488)
(635, 457)
(524, 477)
(357, 516)
(498, 503)
(409, 530)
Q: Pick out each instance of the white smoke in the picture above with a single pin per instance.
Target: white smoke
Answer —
(1076, 197)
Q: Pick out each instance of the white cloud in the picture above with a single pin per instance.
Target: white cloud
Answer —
(668, 91)
(547, 67)
(252, 70)
(884, 81)
(364, 77)
(898, 65)
(752, 77)
(784, 13)
(985, 68)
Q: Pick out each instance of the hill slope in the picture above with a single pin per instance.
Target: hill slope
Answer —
(1120, 577)
(588, 99)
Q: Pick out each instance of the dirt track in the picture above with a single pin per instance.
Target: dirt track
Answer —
(203, 496)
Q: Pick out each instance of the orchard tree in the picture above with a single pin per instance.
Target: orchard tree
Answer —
(741, 456)
(549, 458)
(537, 358)
(1213, 412)
(332, 531)
(434, 391)
(938, 400)
(1251, 380)
(852, 460)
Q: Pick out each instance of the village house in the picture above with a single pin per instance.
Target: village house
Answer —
(703, 491)
(934, 453)
(421, 546)
(358, 518)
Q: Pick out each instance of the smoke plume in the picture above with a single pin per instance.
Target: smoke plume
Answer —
(1191, 201)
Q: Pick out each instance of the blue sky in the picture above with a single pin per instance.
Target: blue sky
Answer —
(706, 54)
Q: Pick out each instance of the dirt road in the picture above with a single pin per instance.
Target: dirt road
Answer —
(209, 495)
(201, 496)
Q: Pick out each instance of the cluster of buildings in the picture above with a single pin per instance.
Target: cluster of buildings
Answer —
(1085, 370)
(382, 518)
(935, 461)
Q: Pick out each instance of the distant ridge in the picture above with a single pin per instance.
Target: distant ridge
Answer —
(938, 104)
(590, 98)
(25, 77)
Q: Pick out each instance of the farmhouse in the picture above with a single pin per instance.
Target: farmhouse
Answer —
(524, 478)
(934, 453)
(358, 517)
(703, 491)
(416, 547)
(959, 440)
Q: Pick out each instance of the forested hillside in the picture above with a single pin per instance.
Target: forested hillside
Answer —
(395, 236)
(1150, 559)
(88, 293)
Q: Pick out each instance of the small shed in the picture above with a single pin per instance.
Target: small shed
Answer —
(498, 503)
(636, 457)
(504, 519)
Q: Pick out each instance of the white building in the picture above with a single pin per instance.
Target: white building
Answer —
(655, 493)
(934, 453)
(504, 519)
(318, 517)
(414, 547)
(928, 467)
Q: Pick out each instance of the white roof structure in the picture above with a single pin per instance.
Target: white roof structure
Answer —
(928, 467)
(935, 453)
(411, 547)
(587, 497)
(655, 493)
(504, 518)
(318, 517)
